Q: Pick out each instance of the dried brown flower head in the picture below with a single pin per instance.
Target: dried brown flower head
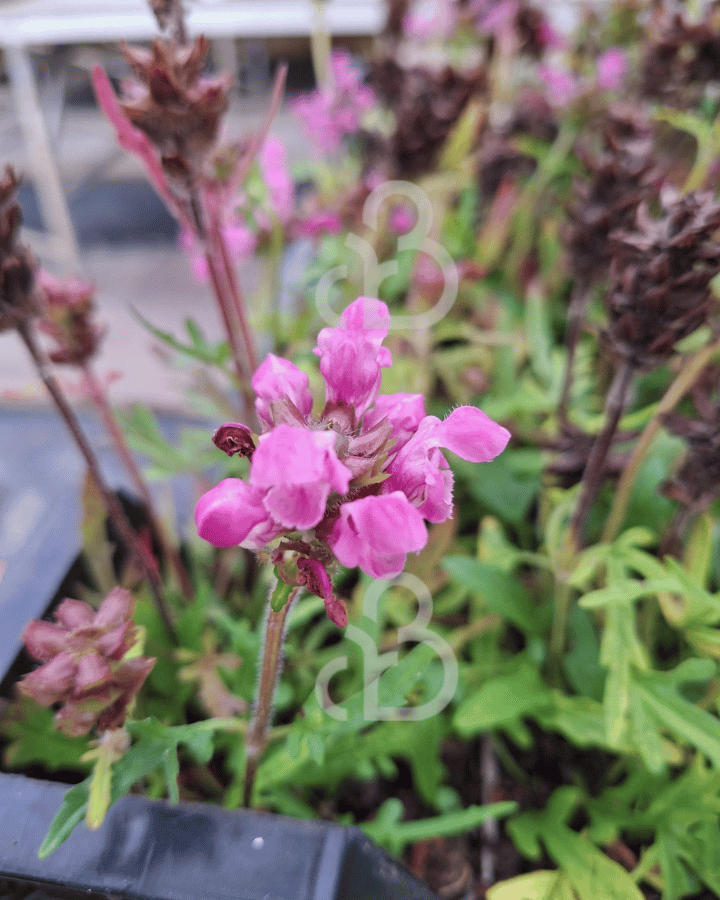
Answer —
(426, 104)
(683, 58)
(84, 668)
(67, 307)
(18, 301)
(618, 180)
(660, 277)
(174, 104)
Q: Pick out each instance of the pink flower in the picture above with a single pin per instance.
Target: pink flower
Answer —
(377, 533)
(298, 470)
(330, 113)
(352, 483)
(436, 19)
(561, 86)
(275, 174)
(233, 514)
(279, 384)
(317, 224)
(421, 471)
(351, 356)
(611, 69)
(404, 413)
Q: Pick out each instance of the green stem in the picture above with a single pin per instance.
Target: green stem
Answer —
(677, 390)
(283, 597)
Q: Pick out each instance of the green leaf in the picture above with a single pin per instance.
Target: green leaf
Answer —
(506, 493)
(500, 591)
(198, 348)
(387, 829)
(156, 748)
(540, 885)
(590, 872)
(699, 728)
(71, 813)
(503, 699)
(33, 738)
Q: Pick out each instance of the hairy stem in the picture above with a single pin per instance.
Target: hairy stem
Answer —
(121, 448)
(593, 474)
(268, 674)
(113, 507)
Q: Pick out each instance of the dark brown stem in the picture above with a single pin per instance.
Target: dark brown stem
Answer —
(113, 507)
(576, 317)
(269, 671)
(593, 474)
(111, 425)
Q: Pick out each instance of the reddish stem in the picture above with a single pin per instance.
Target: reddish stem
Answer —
(113, 507)
(111, 425)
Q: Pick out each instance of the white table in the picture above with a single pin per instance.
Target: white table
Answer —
(28, 24)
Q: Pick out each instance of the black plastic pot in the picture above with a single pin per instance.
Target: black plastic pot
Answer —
(148, 850)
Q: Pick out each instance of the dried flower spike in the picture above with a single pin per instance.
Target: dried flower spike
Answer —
(18, 302)
(84, 666)
(66, 316)
(660, 277)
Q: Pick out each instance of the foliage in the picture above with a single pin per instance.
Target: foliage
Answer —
(577, 589)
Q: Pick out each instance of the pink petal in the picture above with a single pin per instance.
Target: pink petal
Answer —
(277, 379)
(376, 533)
(44, 640)
(116, 609)
(92, 670)
(472, 435)
(52, 682)
(73, 614)
(227, 514)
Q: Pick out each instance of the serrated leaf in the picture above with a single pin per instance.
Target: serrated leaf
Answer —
(199, 348)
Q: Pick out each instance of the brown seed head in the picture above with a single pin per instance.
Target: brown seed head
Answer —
(18, 302)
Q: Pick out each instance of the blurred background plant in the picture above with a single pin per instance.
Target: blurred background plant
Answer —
(564, 186)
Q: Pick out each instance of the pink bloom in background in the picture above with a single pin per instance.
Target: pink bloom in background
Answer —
(353, 483)
(240, 242)
(561, 86)
(330, 113)
(401, 220)
(317, 224)
(612, 67)
(434, 19)
(275, 174)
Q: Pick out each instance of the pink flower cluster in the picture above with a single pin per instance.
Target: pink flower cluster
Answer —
(330, 113)
(354, 483)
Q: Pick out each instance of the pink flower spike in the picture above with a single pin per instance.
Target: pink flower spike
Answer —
(351, 356)
(471, 435)
(298, 470)
(276, 380)
(317, 581)
(612, 66)
(228, 514)
(376, 533)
